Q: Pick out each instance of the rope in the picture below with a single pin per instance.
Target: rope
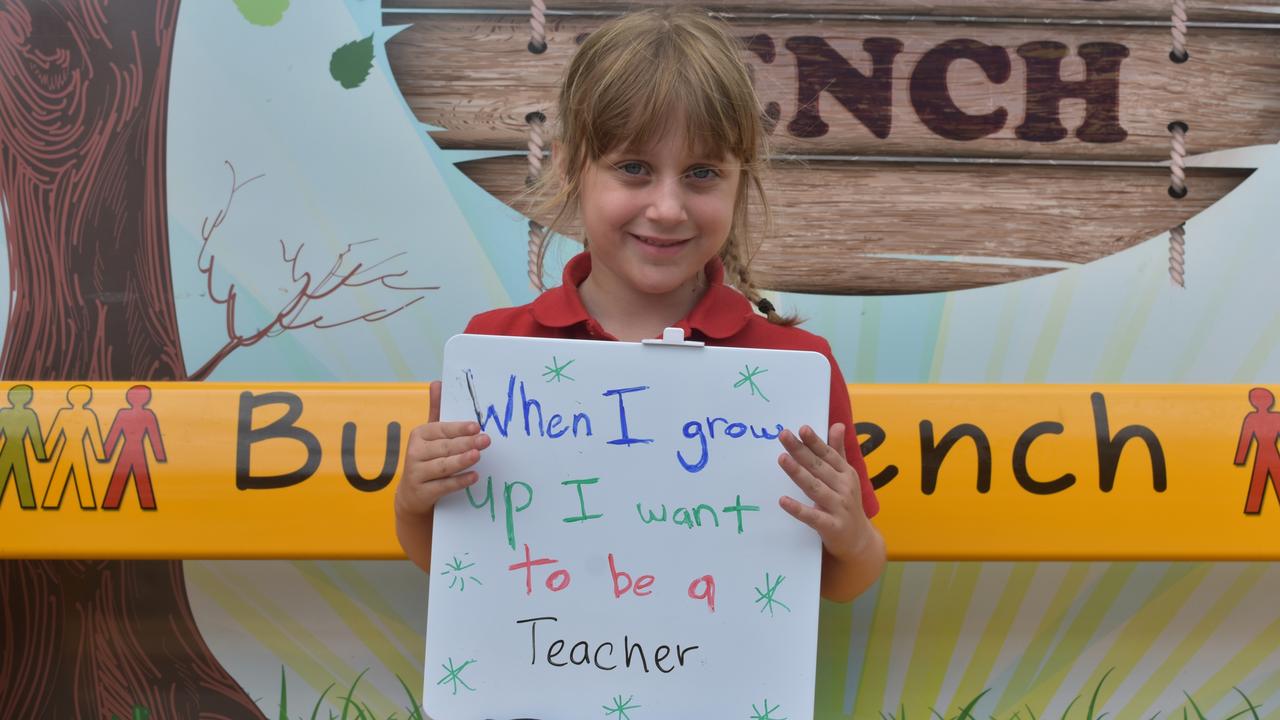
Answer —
(536, 121)
(1178, 152)
(537, 233)
(537, 27)
(1178, 190)
(1179, 53)
(537, 238)
(1178, 256)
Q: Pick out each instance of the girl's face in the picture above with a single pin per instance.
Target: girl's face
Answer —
(654, 217)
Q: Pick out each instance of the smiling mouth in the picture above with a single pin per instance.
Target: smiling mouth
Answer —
(660, 242)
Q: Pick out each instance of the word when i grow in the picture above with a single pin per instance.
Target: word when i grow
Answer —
(693, 458)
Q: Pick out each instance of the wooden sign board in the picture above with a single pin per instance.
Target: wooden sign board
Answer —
(892, 88)
(844, 227)
(1076, 97)
(625, 547)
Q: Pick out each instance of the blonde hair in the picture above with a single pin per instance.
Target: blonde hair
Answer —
(621, 90)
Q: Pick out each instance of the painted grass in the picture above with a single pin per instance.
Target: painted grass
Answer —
(352, 709)
(1091, 711)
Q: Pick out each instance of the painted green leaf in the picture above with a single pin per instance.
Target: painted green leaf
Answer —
(262, 12)
(351, 63)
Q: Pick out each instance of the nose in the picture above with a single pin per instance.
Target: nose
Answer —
(667, 203)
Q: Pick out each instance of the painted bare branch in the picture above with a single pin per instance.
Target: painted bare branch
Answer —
(346, 271)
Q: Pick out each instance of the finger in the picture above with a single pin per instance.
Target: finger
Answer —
(822, 449)
(811, 516)
(805, 456)
(837, 434)
(439, 488)
(443, 467)
(453, 429)
(802, 455)
(817, 490)
(425, 450)
(433, 406)
(835, 438)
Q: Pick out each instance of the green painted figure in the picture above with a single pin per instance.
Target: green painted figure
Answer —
(73, 425)
(18, 426)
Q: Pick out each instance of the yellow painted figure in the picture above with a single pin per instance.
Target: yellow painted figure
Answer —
(72, 426)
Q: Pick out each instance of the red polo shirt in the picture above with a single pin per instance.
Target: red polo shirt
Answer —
(723, 316)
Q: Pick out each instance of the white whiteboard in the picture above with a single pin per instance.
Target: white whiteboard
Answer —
(556, 639)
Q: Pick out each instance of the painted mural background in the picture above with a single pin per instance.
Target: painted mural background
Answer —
(343, 169)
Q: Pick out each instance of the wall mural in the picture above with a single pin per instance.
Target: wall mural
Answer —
(267, 192)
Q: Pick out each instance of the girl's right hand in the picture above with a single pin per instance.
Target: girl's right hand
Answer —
(436, 460)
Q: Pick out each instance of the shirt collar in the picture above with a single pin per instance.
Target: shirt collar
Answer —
(720, 313)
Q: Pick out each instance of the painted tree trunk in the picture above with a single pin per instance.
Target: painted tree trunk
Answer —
(83, 106)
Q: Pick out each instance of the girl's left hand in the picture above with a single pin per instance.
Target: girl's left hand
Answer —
(821, 471)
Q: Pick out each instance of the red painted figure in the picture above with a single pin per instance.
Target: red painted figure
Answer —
(131, 427)
(1262, 425)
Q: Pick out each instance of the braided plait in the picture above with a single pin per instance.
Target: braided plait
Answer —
(737, 270)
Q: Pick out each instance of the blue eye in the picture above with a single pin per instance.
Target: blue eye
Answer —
(704, 173)
(630, 168)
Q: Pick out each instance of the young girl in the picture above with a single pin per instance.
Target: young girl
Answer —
(660, 143)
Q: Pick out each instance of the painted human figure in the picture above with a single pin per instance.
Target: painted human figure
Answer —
(72, 426)
(19, 424)
(130, 428)
(1262, 425)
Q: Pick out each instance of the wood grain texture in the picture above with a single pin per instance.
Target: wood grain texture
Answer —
(836, 221)
(474, 76)
(1197, 10)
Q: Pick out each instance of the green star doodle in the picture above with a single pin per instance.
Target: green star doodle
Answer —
(454, 675)
(748, 375)
(620, 707)
(556, 370)
(767, 714)
(454, 569)
(767, 597)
